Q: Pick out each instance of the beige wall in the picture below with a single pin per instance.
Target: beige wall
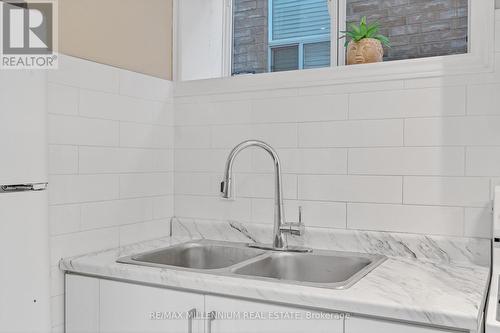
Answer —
(130, 34)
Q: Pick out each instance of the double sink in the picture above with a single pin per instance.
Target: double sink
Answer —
(324, 269)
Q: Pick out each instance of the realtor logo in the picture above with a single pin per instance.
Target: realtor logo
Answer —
(28, 30)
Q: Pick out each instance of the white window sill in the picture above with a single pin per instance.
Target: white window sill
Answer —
(394, 70)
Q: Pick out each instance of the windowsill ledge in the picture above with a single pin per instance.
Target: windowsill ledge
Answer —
(387, 71)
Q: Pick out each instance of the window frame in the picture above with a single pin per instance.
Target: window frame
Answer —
(479, 59)
(300, 45)
(300, 41)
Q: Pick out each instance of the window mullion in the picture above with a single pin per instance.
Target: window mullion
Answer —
(338, 26)
(301, 55)
(333, 11)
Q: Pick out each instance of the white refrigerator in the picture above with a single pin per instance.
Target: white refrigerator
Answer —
(24, 237)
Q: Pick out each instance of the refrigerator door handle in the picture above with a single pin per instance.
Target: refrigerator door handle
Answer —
(23, 187)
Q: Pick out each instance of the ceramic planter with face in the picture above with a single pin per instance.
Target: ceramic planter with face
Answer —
(367, 50)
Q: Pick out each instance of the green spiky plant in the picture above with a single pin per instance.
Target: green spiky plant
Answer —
(363, 30)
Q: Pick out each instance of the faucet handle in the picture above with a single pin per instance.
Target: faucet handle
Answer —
(295, 228)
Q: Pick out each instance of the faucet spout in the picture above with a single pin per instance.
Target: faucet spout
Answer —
(278, 242)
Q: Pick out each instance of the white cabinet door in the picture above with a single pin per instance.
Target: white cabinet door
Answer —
(238, 316)
(82, 304)
(131, 308)
(364, 325)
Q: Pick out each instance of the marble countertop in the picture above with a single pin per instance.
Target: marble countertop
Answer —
(419, 290)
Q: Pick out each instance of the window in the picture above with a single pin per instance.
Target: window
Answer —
(282, 35)
(299, 34)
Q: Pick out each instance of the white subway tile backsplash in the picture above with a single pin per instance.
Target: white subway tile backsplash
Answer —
(478, 222)
(62, 99)
(82, 188)
(277, 135)
(402, 218)
(360, 133)
(163, 207)
(97, 104)
(163, 160)
(447, 191)
(314, 213)
(199, 183)
(227, 136)
(379, 189)
(260, 186)
(94, 160)
(82, 242)
(193, 114)
(483, 161)
(213, 208)
(85, 74)
(192, 137)
(144, 86)
(444, 101)
(113, 213)
(164, 115)
(111, 161)
(318, 213)
(64, 219)
(145, 136)
(114, 160)
(193, 160)
(300, 108)
(70, 130)
(483, 99)
(425, 161)
(139, 232)
(321, 108)
(145, 185)
(263, 211)
(274, 110)
(305, 161)
(453, 131)
(63, 160)
(210, 160)
(230, 112)
(353, 87)
(242, 163)
(249, 95)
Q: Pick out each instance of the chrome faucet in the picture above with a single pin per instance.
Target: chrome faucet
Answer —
(281, 227)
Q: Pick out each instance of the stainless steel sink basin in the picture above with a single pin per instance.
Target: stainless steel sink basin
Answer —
(324, 269)
(321, 268)
(200, 254)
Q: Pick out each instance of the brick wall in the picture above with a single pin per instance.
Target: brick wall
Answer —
(416, 28)
(250, 36)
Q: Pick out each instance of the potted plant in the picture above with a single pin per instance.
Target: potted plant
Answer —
(365, 44)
